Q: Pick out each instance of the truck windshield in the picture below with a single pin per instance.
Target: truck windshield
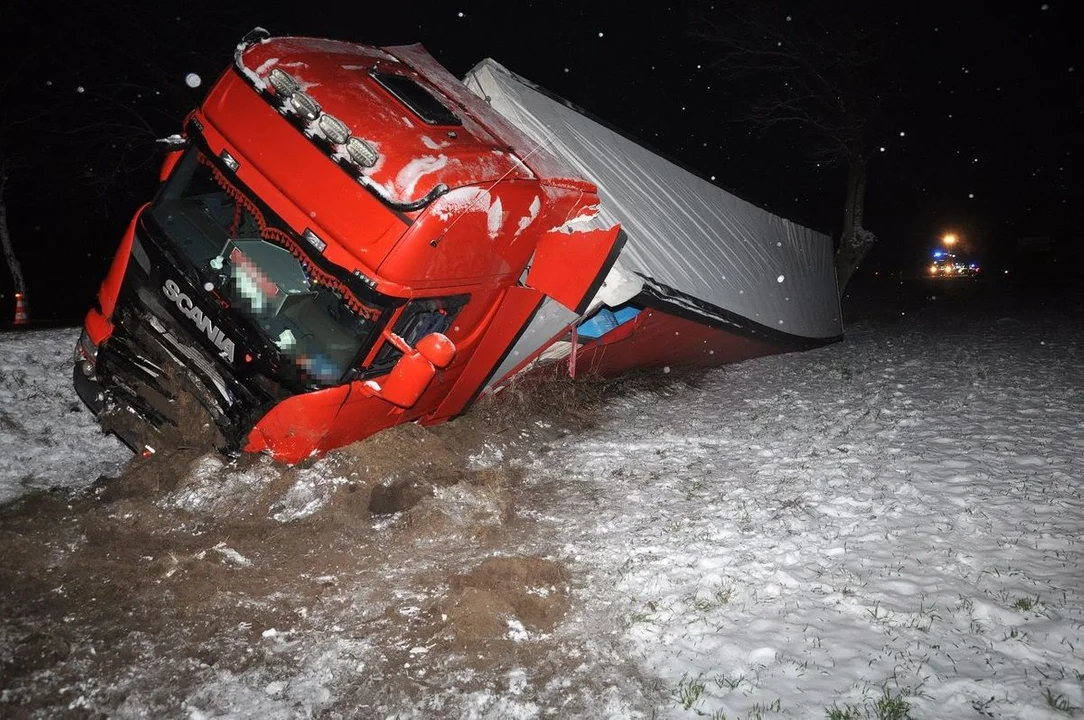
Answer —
(247, 256)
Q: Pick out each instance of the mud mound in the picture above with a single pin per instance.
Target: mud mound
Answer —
(399, 467)
(384, 454)
(152, 475)
(503, 599)
(536, 588)
(192, 567)
(474, 509)
(388, 473)
(474, 616)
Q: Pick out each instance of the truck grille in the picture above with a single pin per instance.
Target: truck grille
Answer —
(154, 398)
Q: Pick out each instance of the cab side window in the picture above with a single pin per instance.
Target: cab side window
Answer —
(419, 318)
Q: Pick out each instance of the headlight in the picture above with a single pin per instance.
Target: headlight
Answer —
(86, 354)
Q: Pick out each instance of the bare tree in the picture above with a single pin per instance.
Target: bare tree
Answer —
(80, 111)
(11, 163)
(12, 260)
(833, 79)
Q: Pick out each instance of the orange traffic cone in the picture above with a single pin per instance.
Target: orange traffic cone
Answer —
(22, 314)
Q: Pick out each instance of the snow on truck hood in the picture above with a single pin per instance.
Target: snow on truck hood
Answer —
(415, 153)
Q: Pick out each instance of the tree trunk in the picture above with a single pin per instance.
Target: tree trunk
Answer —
(855, 241)
(5, 241)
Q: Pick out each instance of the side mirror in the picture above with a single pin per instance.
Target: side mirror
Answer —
(437, 349)
(415, 370)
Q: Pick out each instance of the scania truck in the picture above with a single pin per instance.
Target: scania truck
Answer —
(348, 237)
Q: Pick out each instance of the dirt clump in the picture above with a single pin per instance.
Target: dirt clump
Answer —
(473, 616)
(536, 588)
(476, 509)
(504, 599)
(399, 467)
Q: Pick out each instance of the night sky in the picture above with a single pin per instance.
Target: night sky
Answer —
(986, 139)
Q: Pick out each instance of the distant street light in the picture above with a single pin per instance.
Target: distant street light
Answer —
(949, 239)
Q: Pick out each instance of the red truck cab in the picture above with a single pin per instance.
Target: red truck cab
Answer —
(343, 243)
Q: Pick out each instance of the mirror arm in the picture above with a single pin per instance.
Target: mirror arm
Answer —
(399, 343)
(370, 388)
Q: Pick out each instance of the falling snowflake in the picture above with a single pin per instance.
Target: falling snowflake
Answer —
(192, 80)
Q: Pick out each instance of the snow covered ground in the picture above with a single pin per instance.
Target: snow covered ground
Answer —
(888, 527)
(47, 436)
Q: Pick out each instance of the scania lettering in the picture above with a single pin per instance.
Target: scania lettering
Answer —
(348, 237)
(189, 309)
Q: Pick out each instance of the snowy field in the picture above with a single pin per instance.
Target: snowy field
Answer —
(47, 436)
(889, 527)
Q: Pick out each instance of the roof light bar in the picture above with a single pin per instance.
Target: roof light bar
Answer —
(291, 99)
